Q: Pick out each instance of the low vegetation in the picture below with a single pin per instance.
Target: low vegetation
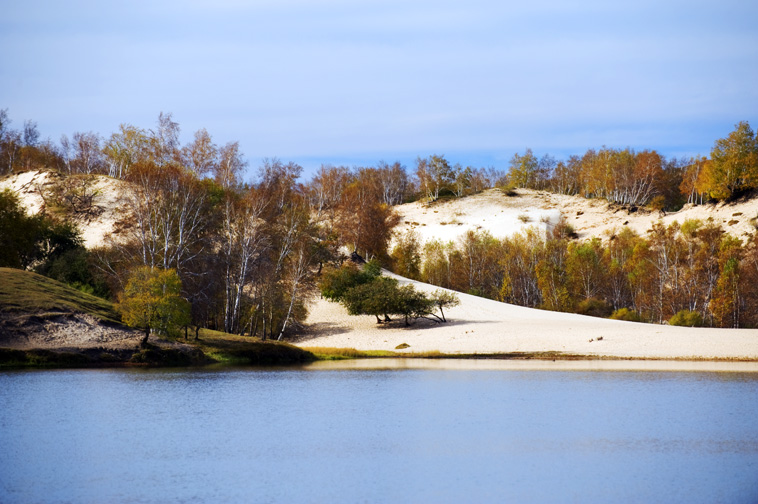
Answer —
(27, 292)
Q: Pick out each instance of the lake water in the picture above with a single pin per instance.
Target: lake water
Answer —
(473, 434)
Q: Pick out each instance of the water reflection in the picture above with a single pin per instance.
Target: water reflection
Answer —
(537, 365)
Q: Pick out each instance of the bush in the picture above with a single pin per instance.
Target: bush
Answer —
(626, 314)
(594, 308)
(73, 267)
(687, 318)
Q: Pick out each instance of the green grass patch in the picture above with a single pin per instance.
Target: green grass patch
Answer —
(333, 353)
(27, 292)
(244, 350)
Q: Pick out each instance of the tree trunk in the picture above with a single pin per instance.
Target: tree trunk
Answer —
(143, 341)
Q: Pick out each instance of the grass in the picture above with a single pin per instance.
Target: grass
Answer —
(331, 353)
(232, 349)
(26, 292)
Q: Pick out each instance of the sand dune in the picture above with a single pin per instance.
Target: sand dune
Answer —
(502, 215)
(481, 325)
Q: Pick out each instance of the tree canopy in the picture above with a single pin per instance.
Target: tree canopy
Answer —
(152, 300)
(363, 291)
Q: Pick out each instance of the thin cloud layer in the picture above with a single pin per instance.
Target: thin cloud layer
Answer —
(328, 80)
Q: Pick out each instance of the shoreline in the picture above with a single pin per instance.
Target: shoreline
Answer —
(351, 359)
(595, 365)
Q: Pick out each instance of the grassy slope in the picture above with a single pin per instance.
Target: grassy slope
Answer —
(26, 292)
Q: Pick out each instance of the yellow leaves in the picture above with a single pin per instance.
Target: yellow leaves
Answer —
(152, 300)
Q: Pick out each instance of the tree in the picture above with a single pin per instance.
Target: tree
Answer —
(524, 170)
(734, 163)
(584, 269)
(444, 299)
(435, 268)
(693, 173)
(406, 258)
(18, 232)
(229, 166)
(462, 182)
(378, 297)
(164, 142)
(725, 304)
(200, 156)
(31, 134)
(551, 275)
(749, 283)
(434, 175)
(83, 154)
(28, 241)
(152, 301)
(336, 282)
(393, 181)
(125, 148)
(363, 222)
(243, 242)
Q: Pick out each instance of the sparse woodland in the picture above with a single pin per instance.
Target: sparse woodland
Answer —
(249, 255)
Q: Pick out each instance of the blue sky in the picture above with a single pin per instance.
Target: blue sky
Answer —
(358, 81)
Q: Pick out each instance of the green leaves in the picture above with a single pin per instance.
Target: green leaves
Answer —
(365, 292)
(734, 163)
(152, 300)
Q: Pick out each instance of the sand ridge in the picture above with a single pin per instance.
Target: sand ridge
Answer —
(485, 326)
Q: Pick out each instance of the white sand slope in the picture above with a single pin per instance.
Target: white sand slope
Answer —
(502, 215)
(109, 201)
(484, 326)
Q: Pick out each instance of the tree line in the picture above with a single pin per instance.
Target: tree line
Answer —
(685, 274)
(623, 176)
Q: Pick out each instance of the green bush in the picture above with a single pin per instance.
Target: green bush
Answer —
(336, 282)
(626, 314)
(687, 318)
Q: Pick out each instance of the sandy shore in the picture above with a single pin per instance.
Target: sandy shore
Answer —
(483, 326)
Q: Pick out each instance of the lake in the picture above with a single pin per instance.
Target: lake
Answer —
(468, 432)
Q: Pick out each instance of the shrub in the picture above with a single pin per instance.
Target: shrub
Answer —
(626, 314)
(687, 318)
(594, 308)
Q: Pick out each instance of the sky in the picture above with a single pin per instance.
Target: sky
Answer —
(356, 82)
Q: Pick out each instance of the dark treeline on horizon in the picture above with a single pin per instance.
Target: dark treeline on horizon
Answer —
(248, 256)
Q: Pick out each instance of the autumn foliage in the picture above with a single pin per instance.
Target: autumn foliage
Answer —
(693, 272)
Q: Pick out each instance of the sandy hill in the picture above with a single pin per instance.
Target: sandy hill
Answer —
(503, 215)
(35, 189)
(481, 325)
